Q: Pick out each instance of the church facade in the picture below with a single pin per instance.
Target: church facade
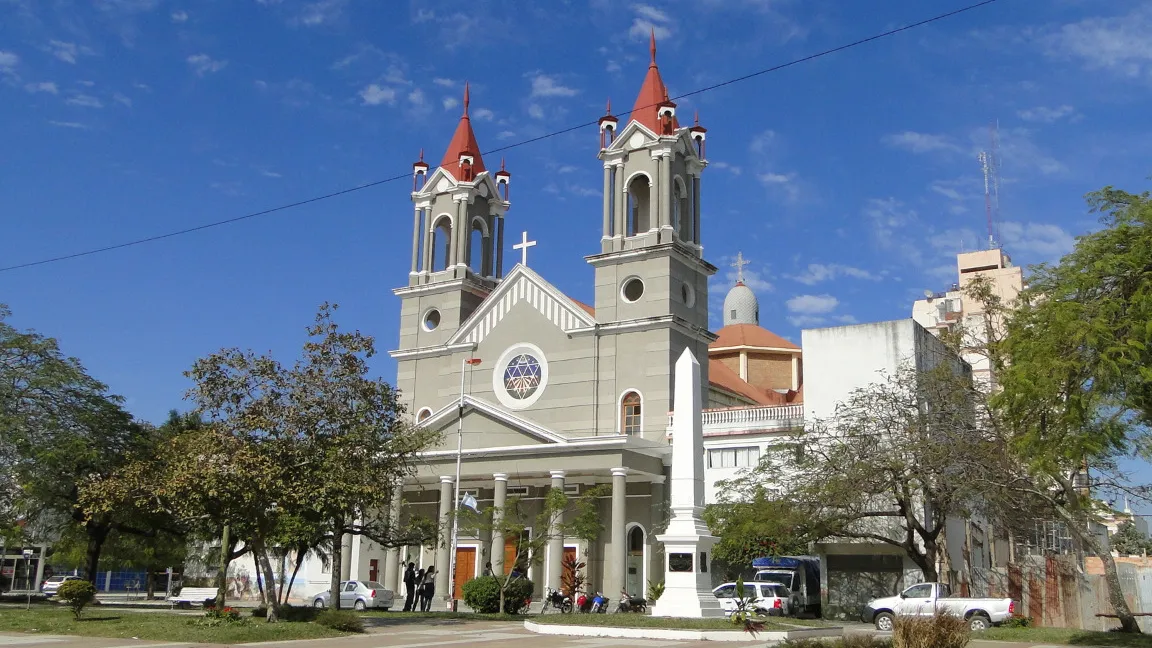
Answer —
(540, 391)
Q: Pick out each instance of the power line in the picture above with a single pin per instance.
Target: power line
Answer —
(532, 140)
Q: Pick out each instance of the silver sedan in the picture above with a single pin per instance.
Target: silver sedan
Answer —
(360, 595)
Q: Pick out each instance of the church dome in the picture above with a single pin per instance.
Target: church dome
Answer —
(741, 306)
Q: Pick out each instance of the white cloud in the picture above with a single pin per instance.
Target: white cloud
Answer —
(85, 101)
(450, 103)
(784, 183)
(818, 272)
(43, 86)
(812, 304)
(649, 19)
(270, 174)
(446, 83)
(1042, 239)
(179, 16)
(8, 62)
(946, 188)
(756, 280)
(1022, 152)
(730, 168)
(1046, 115)
(322, 12)
(122, 100)
(203, 64)
(374, 95)
(417, 98)
(67, 52)
(64, 124)
(535, 111)
(505, 135)
(1119, 44)
(921, 142)
(892, 220)
(546, 86)
(802, 321)
(763, 142)
(484, 114)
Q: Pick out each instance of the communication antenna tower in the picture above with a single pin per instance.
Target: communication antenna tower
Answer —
(990, 165)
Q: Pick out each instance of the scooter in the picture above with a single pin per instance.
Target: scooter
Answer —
(629, 603)
(599, 604)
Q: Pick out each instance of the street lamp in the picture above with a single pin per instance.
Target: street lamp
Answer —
(28, 577)
(467, 364)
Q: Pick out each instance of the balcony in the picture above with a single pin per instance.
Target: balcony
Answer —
(749, 420)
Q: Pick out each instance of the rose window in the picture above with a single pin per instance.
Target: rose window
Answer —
(522, 376)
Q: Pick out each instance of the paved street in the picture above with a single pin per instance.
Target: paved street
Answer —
(393, 633)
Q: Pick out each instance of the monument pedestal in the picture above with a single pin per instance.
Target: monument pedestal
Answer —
(687, 541)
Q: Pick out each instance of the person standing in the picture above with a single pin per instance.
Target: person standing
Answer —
(410, 588)
(428, 589)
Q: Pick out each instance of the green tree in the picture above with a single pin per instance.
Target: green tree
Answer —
(1128, 541)
(62, 428)
(762, 525)
(1077, 372)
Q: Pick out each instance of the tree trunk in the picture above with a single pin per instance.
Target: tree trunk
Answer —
(281, 556)
(1115, 593)
(300, 556)
(225, 554)
(337, 559)
(263, 565)
(97, 534)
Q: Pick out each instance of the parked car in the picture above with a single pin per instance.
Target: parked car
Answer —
(53, 583)
(772, 599)
(926, 598)
(360, 595)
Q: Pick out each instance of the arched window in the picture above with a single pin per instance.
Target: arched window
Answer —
(636, 541)
(442, 244)
(423, 415)
(681, 211)
(630, 413)
(639, 206)
(478, 257)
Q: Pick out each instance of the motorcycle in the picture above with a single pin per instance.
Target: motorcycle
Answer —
(557, 600)
(599, 604)
(629, 603)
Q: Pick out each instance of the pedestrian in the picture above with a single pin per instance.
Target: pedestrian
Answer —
(428, 590)
(410, 588)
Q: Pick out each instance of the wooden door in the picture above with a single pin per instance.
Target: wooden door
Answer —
(566, 570)
(465, 569)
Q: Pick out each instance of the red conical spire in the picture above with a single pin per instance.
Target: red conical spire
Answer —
(652, 93)
(463, 141)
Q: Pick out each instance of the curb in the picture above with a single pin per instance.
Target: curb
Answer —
(666, 633)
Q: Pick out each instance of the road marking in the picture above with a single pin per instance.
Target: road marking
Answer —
(9, 640)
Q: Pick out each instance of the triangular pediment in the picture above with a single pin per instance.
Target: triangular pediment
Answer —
(522, 284)
(623, 140)
(442, 182)
(521, 430)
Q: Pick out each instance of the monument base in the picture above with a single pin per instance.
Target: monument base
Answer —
(687, 582)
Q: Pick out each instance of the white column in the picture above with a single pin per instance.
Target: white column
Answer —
(459, 235)
(392, 568)
(607, 200)
(416, 227)
(556, 539)
(621, 210)
(744, 366)
(346, 557)
(429, 235)
(696, 208)
(499, 498)
(443, 549)
(665, 189)
(616, 562)
(795, 372)
(500, 247)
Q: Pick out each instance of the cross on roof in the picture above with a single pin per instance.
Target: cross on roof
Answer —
(739, 265)
(523, 246)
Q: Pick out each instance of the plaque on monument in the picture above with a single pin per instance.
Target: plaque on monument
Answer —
(680, 562)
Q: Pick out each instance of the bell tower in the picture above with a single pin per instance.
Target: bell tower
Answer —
(457, 239)
(651, 276)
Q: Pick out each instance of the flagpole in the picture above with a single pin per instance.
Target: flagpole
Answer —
(467, 363)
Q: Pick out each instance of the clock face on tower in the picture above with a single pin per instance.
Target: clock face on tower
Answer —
(520, 376)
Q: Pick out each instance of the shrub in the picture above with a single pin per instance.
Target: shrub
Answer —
(300, 613)
(655, 591)
(77, 594)
(223, 614)
(260, 611)
(940, 631)
(1017, 622)
(483, 594)
(518, 596)
(340, 620)
(850, 641)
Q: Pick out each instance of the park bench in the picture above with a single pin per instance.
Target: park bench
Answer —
(189, 596)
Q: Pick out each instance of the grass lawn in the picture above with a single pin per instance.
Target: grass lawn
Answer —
(1066, 637)
(164, 626)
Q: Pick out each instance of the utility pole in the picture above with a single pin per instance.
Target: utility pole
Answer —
(467, 364)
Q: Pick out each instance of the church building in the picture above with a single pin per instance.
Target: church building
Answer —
(542, 391)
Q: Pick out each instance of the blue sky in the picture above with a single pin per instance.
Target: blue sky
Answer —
(850, 182)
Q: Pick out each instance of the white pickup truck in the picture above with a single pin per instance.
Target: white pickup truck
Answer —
(926, 598)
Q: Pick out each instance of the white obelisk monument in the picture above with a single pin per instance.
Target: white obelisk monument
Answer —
(687, 542)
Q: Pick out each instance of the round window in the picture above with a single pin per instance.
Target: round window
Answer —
(520, 376)
(633, 289)
(431, 319)
(688, 294)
